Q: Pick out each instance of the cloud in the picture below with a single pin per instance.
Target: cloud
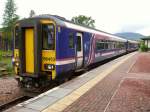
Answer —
(145, 31)
(132, 28)
(138, 28)
(110, 15)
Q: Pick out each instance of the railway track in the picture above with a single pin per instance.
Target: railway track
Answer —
(12, 103)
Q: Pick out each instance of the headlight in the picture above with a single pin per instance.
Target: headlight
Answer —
(13, 60)
(17, 64)
(49, 67)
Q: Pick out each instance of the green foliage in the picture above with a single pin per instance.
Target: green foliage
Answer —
(84, 20)
(6, 62)
(6, 53)
(9, 68)
(32, 13)
(143, 47)
(9, 19)
(0, 55)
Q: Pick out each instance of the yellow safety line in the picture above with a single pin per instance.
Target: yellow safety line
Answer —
(69, 99)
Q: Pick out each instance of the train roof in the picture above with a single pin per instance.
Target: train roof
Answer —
(63, 22)
(133, 41)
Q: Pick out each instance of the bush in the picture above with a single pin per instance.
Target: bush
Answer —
(9, 68)
(0, 55)
(143, 47)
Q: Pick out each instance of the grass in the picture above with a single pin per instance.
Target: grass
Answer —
(5, 62)
(5, 53)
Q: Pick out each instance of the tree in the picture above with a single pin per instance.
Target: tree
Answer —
(143, 47)
(32, 13)
(9, 19)
(84, 20)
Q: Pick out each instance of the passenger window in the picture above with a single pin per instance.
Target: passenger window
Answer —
(117, 45)
(48, 35)
(99, 45)
(123, 45)
(110, 45)
(78, 43)
(71, 40)
(106, 45)
(16, 37)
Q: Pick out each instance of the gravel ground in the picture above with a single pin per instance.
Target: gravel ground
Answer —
(132, 96)
(8, 90)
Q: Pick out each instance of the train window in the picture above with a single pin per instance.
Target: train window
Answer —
(109, 44)
(114, 45)
(99, 45)
(106, 45)
(71, 40)
(48, 36)
(117, 45)
(16, 37)
(78, 43)
(122, 45)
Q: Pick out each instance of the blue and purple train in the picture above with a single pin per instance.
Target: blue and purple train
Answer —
(49, 47)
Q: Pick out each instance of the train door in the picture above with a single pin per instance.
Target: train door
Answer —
(79, 51)
(29, 50)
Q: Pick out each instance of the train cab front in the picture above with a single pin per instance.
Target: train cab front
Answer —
(34, 57)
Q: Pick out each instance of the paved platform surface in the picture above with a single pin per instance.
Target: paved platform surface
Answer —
(133, 95)
(94, 91)
(142, 64)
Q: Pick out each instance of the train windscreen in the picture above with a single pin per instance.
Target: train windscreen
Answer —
(48, 36)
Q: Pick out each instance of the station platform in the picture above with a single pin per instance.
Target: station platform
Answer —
(122, 85)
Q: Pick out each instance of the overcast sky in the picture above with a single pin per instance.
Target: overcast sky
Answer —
(110, 15)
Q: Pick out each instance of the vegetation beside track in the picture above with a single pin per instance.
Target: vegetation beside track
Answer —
(6, 67)
(143, 47)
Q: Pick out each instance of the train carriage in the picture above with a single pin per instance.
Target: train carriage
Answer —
(132, 45)
(49, 47)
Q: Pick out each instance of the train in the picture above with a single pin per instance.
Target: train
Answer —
(49, 47)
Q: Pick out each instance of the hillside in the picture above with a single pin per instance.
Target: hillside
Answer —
(130, 35)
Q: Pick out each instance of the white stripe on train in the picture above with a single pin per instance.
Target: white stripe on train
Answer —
(63, 62)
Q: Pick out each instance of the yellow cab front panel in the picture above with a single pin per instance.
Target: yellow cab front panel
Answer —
(16, 60)
(48, 48)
